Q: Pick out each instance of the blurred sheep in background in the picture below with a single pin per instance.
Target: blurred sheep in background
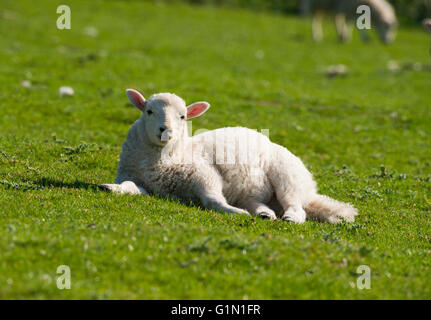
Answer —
(383, 17)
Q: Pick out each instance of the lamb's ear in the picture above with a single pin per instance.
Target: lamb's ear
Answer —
(196, 109)
(136, 98)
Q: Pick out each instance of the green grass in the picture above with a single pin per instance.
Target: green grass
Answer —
(366, 137)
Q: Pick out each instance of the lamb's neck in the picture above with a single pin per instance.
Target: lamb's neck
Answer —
(156, 155)
(147, 151)
(173, 152)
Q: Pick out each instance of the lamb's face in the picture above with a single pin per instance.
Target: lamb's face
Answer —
(164, 116)
(387, 31)
(427, 24)
(165, 119)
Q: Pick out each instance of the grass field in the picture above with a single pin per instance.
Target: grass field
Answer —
(366, 137)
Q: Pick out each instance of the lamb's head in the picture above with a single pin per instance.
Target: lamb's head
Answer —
(385, 20)
(427, 24)
(164, 116)
(387, 30)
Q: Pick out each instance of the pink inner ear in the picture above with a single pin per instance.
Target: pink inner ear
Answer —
(136, 98)
(196, 109)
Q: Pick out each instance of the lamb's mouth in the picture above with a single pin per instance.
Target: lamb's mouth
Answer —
(161, 141)
(165, 136)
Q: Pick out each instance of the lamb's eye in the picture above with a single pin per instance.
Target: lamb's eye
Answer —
(182, 117)
(149, 112)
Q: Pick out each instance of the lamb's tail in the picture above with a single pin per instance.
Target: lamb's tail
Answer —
(325, 209)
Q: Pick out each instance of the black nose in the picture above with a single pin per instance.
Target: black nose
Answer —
(162, 129)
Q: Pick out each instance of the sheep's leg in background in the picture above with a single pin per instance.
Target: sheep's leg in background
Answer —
(365, 36)
(260, 209)
(348, 31)
(344, 30)
(126, 187)
(317, 26)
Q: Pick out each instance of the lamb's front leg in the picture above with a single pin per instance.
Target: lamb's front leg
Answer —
(126, 187)
(260, 209)
(216, 201)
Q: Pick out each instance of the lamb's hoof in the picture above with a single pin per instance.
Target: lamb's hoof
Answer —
(237, 210)
(104, 187)
(244, 212)
(294, 217)
(267, 215)
(108, 187)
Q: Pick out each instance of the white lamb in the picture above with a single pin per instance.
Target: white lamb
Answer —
(383, 17)
(235, 170)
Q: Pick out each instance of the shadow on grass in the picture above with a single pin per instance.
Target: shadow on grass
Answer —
(52, 183)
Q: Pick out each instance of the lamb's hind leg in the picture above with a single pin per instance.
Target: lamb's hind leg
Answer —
(292, 207)
(126, 187)
(291, 182)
